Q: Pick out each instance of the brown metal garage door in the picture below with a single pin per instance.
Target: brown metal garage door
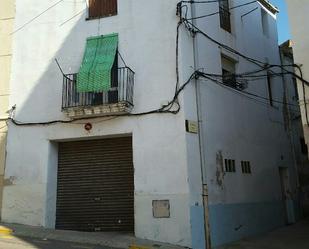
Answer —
(96, 185)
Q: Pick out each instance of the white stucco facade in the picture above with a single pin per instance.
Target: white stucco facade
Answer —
(7, 14)
(166, 158)
(39, 98)
(243, 128)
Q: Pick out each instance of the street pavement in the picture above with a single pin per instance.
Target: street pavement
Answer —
(290, 237)
(11, 242)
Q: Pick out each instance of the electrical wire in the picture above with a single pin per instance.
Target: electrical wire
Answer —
(170, 107)
(257, 62)
(2, 127)
(195, 29)
(121, 57)
(36, 17)
(218, 12)
(208, 76)
(164, 109)
(249, 12)
(250, 95)
(77, 14)
(200, 2)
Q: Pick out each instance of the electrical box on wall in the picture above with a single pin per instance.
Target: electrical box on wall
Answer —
(192, 126)
(161, 208)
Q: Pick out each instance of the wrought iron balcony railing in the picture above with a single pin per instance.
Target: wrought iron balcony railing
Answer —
(121, 91)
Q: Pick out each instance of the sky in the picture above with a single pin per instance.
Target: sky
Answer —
(282, 20)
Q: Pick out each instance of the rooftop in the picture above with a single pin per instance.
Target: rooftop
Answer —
(267, 4)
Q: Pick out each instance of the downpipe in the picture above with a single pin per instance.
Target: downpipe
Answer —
(201, 142)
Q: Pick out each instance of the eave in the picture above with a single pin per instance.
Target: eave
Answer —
(273, 9)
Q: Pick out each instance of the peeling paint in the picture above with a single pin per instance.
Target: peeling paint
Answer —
(219, 169)
(9, 181)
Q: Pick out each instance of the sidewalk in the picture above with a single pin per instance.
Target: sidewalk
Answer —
(290, 237)
(111, 240)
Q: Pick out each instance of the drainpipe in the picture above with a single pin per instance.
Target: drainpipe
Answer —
(201, 141)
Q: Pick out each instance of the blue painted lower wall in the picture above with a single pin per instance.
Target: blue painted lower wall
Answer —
(231, 222)
(197, 227)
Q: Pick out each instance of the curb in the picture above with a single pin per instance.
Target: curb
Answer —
(139, 247)
(5, 231)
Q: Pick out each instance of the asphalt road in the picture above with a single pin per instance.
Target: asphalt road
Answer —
(10, 242)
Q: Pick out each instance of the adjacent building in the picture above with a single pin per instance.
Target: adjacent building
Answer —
(293, 124)
(7, 13)
(297, 15)
(131, 118)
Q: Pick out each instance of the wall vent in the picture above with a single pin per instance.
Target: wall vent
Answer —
(246, 167)
(230, 165)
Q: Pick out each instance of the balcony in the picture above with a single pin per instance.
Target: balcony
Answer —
(118, 100)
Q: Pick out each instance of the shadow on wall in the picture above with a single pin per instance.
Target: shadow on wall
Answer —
(37, 90)
(44, 94)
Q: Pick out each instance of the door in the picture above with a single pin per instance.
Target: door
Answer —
(95, 188)
(287, 195)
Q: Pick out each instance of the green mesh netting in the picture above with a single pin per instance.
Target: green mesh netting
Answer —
(95, 72)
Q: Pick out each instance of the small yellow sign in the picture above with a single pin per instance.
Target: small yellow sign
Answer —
(192, 126)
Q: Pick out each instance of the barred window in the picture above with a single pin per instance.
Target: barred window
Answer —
(225, 15)
(228, 72)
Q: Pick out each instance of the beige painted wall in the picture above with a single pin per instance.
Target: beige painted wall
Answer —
(298, 12)
(7, 13)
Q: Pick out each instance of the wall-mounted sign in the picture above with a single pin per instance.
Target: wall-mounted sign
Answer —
(161, 208)
(192, 126)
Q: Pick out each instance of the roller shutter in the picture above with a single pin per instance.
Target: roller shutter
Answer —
(96, 185)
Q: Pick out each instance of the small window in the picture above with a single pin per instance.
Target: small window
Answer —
(296, 96)
(225, 15)
(230, 165)
(246, 167)
(270, 89)
(102, 8)
(265, 27)
(228, 72)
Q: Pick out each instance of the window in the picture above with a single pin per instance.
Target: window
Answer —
(296, 96)
(225, 15)
(102, 8)
(270, 89)
(264, 16)
(228, 72)
(246, 167)
(230, 165)
(303, 146)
